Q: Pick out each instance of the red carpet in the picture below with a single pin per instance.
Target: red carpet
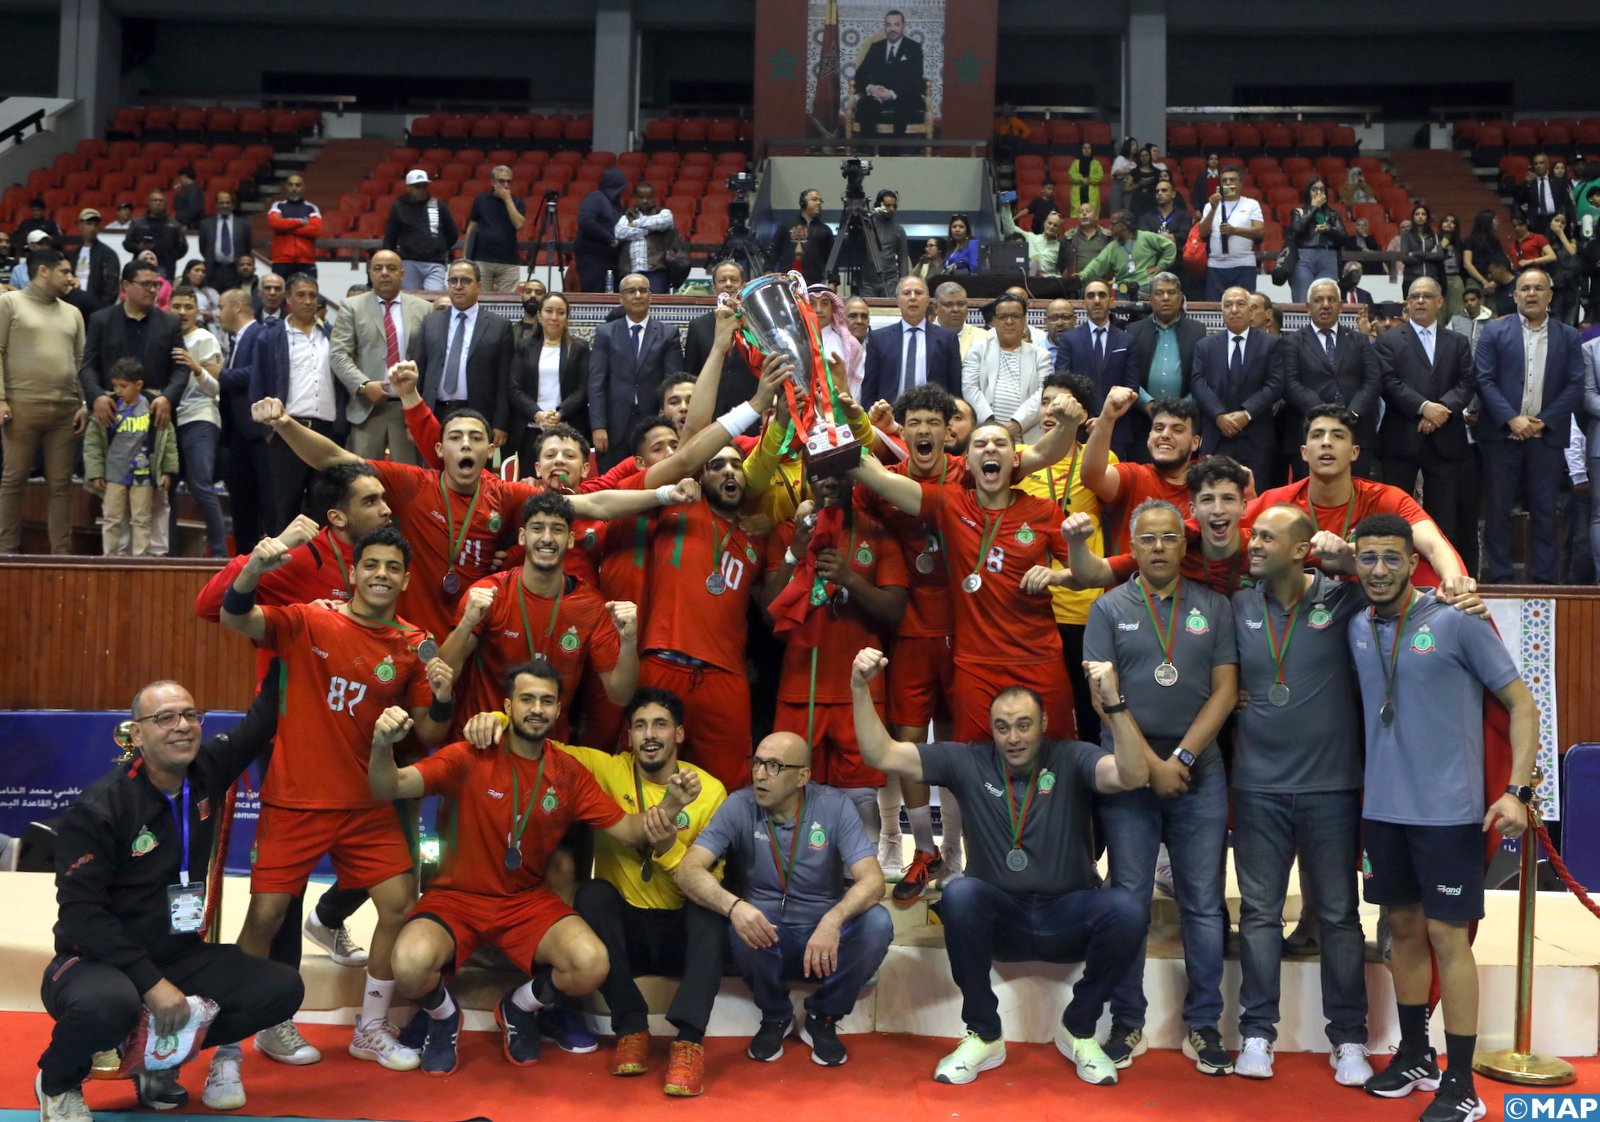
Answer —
(887, 1078)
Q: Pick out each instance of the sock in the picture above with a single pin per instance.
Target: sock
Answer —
(537, 992)
(375, 999)
(921, 819)
(889, 810)
(950, 815)
(438, 1004)
(1414, 1030)
(1458, 1052)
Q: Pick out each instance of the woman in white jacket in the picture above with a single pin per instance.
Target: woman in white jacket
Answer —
(1002, 375)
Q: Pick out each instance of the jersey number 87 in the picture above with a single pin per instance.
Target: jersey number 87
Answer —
(344, 695)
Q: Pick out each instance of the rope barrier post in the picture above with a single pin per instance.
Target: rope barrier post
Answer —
(1520, 1063)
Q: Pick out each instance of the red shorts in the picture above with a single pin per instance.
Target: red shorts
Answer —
(368, 846)
(976, 685)
(516, 924)
(716, 712)
(919, 681)
(602, 717)
(835, 759)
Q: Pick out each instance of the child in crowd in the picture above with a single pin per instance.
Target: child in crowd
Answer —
(124, 462)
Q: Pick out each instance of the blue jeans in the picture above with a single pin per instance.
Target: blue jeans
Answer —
(1313, 265)
(1325, 827)
(1194, 826)
(982, 923)
(1219, 281)
(423, 276)
(197, 453)
(863, 942)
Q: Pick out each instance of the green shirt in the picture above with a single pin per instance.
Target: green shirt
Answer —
(1139, 259)
(1045, 251)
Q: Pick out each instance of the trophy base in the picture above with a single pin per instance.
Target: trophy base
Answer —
(1527, 1068)
(824, 459)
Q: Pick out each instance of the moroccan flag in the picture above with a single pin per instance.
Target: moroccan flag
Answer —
(825, 103)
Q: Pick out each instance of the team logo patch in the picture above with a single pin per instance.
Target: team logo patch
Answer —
(1025, 534)
(1320, 617)
(144, 842)
(1196, 624)
(569, 639)
(385, 671)
(1047, 780)
(819, 836)
(681, 822)
(1246, 582)
(494, 521)
(549, 802)
(750, 554)
(864, 554)
(1422, 642)
(589, 538)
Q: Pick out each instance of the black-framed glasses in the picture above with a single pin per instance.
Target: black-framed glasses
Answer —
(461, 282)
(635, 291)
(168, 719)
(771, 768)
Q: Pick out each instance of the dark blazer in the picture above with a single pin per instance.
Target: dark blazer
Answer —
(881, 374)
(622, 386)
(1143, 334)
(237, 427)
(1353, 381)
(1409, 380)
(106, 340)
(738, 382)
(1527, 196)
(223, 274)
(488, 362)
(904, 77)
(170, 243)
(1499, 366)
(574, 380)
(1258, 387)
(105, 273)
(1075, 352)
(267, 373)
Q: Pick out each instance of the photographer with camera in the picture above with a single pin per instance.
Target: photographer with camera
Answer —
(806, 244)
(881, 273)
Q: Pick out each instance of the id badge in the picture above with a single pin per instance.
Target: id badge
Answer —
(186, 908)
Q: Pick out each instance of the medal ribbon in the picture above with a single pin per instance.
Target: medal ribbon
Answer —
(785, 870)
(527, 628)
(1018, 821)
(991, 530)
(457, 540)
(646, 852)
(1280, 650)
(403, 628)
(718, 545)
(1171, 635)
(1066, 496)
(338, 559)
(938, 531)
(1392, 664)
(520, 821)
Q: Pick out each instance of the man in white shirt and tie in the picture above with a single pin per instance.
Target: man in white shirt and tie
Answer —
(464, 353)
(910, 353)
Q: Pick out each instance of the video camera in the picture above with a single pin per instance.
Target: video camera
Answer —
(855, 171)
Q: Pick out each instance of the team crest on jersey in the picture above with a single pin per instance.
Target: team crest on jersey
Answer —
(549, 802)
(864, 554)
(144, 842)
(385, 671)
(1320, 617)
(1025, 534)
(1196, 624)
(1246, 582)
(1422, 642)
(494, 522)
(750, 554)
(569, 639)
(1047, 780)
(589, 538)
(819, 836)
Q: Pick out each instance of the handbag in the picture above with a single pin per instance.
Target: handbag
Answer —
(1196, 254)
(1283, 267)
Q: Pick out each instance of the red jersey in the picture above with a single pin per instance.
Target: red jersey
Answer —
(928, 606)
(482, 786)
(1224, 576)
(623, 546)
(339, 675)
(877, 556)
(998, 623)
(1366, 497)
(571, 631)
(1140, 482)
(690, 546)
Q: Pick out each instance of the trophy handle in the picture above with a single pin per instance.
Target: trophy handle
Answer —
(797, 282)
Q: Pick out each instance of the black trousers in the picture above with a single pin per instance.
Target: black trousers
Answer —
(689, 942)
(288, 476)
(334, 907)
(1535, 467)
(245, 472)
(95, 1006)
(1449, 495)
(1082, 703)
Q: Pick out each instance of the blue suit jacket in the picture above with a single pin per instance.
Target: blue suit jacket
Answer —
(1500, 365)
(1075, 352)
(261, 368)
(622, 386)
(881, 374)
(1256, 390)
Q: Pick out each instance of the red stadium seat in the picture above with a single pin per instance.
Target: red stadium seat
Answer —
(473, 156)
(453, 131)
(693, 130)
(1396, 201)
(460, 207)
(1342, 141)
(1333, 168)
(159, 121)
(1213, 138)
(1064, 136)
(1260, 164)
(516, 132)
(1270, 179)
(579, 130)
(1271, 237)
(567, 156)
(472, 188)
(252, 125)
(123, 149)
(1489, 145)
(697, 159)
(128, 121)
(456, 173)
(1246, 139)
(423, 128)
(1374, 213)
(1183, 140)
(1097, 133)
(723, 134)
(486, 128)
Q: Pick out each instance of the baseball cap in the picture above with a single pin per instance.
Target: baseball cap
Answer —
(88, 212)
(37, 236)
(416, 175)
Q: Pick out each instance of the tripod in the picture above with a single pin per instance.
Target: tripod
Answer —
(855, 249)
(544, 241)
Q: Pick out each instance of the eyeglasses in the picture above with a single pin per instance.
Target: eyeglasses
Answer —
(771, 768)
(1148, 541)
(635, 291)
(460, 282)
(503, 182)
(152, 286)
(168, 719)
(1390, 561)
(1008, 317)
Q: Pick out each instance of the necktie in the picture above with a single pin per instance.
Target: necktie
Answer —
(452, 362)
(908, 376)
(1236, 363)
(1426, 335)
(889, 55)
(391, 338)
(1327, 344)
(1099, 347)
(638, 336)
(1547, 203)
(225, 237)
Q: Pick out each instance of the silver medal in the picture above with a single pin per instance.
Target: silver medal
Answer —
(451, 582)
(716, 584)
(1386, 714)
(1166, 674)
(1278, 694)
(427, 650)
(973, 582)
(924, 563)
(513, 858)
(1016, 860)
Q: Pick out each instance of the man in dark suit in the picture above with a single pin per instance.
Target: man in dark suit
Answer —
(464, 354)
(135, 328)
(101, 275)
(1161, 362)
(888, 80)
(1102, 352)
(1323, 363)
(1236, 384)
(1526, 425)
(629, 359)
(224, 238)
(738, 380)
(1541, 196)
(910, 353)
(163, 234)
(244, 449)
(1428, 382)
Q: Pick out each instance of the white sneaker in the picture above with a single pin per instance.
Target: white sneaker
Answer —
(224, 1089)
(892, 857)
(1255, 1058)
(1350, 1066)
(283, 1042)
(336, 941)
(1093, 1065)
(954, 862)
(68, 1106)
(972, 1055)
(377, 1041)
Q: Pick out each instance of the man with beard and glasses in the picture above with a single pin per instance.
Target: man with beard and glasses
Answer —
(491, 889)
(1173, 441)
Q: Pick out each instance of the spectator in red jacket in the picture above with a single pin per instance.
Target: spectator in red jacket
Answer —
(296, 226)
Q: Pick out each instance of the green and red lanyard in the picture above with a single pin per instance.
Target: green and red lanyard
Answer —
(1065, 500)
(1280, 649)
(811, 686)
(784, 870)
(457, 540)
(1019, 820)
(520, 819)
(1391, 665)
(1168, 637)
(938, 531)
(527, 626)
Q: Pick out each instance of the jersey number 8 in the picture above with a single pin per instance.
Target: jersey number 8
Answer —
(996, 559)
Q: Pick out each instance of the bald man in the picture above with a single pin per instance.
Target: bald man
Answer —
(363, 348)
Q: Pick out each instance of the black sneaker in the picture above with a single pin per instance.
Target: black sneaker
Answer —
(767, 1044)
(1204, 1046)
(1123, 1043)
(1406, 1073)
(519, 1033)
(1456, 1101)
(160, 1090)
(415, 1034)
(439, 1046)
(821, 1033)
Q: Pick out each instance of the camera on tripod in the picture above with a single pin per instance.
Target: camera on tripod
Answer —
(742, 183)
(551, 197)
(855, 171)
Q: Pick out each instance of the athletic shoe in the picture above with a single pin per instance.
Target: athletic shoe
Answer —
(160, 1090)
(562, 1025)
(1406, 1073)
(1093, 1065)
(1164, 878)
(336, 941)
(631, 1053)
(891, 856)
(68, 1106)
(1204, 1046)
(224, 1088)
(415, 1034)
(1255, 1058)
(519, 1033)
(283, 1042)
(377, 1040)
(973, 1056)
(686, 1070)
(954, 863)
(914, 884)
(1455, 1102)
(439, 1047)
(1350, 1066)
(767, 1044)
(821, 1034)
(1123, 1044)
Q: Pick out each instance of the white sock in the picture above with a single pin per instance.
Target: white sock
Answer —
(375, 999)
(522, 997)
(889, 810)
(921, 819)
(950, 817)
(444, 1009)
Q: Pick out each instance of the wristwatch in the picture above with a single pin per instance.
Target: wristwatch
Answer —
(1120, 707)
(1524, 794)
(1184, 757)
